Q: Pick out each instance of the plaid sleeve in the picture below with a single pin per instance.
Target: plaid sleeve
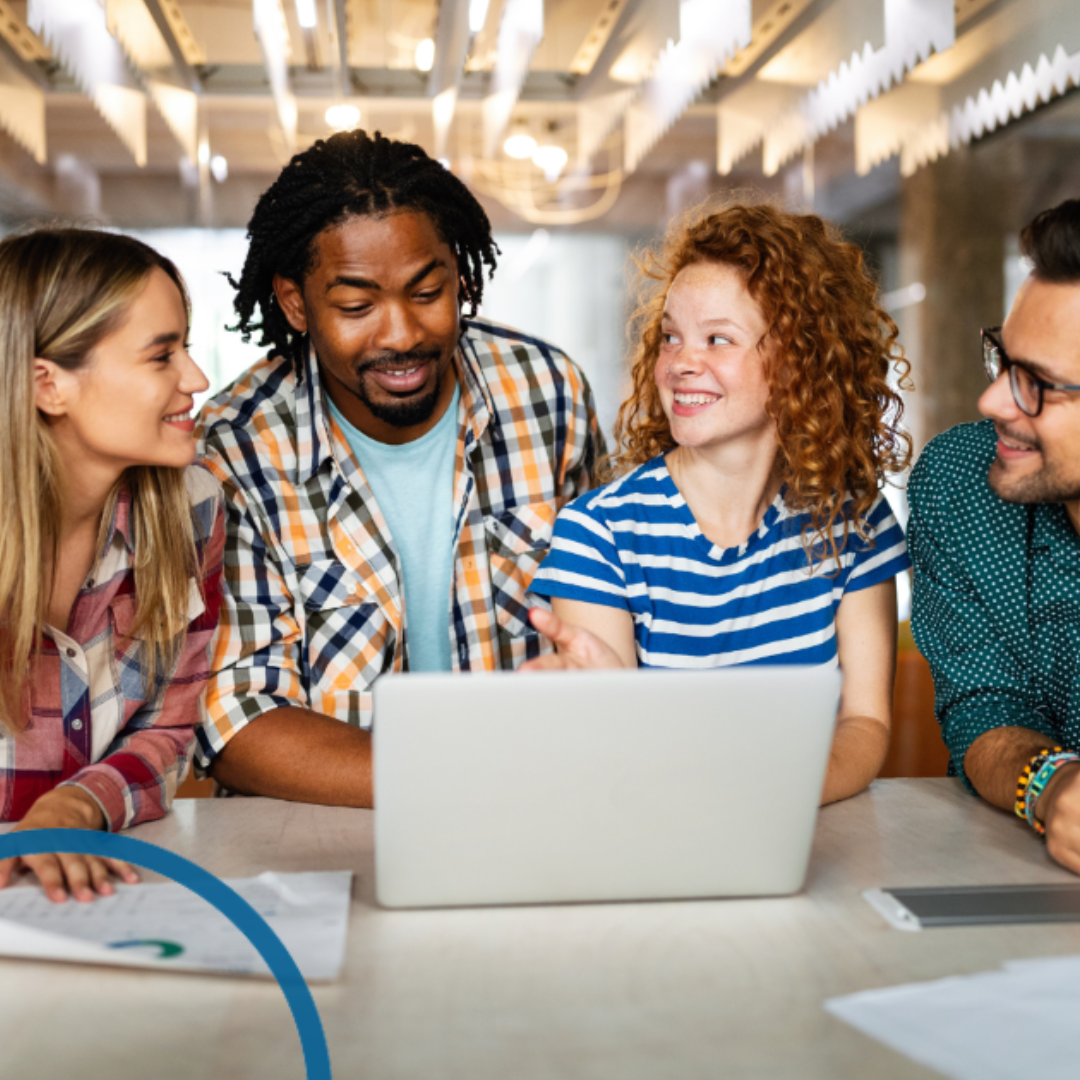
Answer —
(138, 775)
(584, 447)
(256, 660)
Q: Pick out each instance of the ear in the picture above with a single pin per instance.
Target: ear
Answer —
(50, 387)
(290, 298)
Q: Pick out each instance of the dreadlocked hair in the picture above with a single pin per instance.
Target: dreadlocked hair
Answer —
(351, 173)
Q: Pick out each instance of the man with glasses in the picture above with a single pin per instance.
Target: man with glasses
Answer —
(994, 536)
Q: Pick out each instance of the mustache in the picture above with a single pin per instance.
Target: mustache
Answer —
(1022, 440)
(394, 361)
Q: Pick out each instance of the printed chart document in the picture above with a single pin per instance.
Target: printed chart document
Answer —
(168, 927)
(997, 1025)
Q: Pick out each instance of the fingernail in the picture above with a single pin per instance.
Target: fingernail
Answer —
(106, 889)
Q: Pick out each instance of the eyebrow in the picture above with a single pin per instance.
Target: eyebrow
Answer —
(367, 283)
(1034, 366)
(715, 322)
(164, 339)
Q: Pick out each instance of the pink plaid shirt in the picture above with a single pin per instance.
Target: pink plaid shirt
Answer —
(94, 720)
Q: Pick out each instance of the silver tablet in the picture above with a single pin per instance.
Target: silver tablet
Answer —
(976, 905)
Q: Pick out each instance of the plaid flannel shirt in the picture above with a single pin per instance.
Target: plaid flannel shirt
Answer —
(314, 611)
(95, 722)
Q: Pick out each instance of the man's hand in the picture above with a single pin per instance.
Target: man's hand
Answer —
(1058, 809)
(579, 650)
(83, 875)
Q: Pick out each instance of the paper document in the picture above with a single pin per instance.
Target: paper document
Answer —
(168, 927)
(996, 1025)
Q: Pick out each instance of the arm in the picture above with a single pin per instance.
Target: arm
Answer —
(259, 737)
(866, 645)
(587, 636)
(585, 448)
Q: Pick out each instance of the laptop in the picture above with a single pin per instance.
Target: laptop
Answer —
(508, 788)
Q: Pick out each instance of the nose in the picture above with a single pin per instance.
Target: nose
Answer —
(399, 330)
(997, 402)
(686, 363)
(192, 379)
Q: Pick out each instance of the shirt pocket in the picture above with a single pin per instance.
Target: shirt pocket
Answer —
(517, 541)
(348, 641)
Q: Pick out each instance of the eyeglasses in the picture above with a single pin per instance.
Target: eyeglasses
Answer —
(1027, 388)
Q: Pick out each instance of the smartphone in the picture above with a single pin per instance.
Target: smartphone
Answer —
(976, 905)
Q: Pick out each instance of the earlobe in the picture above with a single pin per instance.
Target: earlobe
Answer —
(290, 298)
(48, 394)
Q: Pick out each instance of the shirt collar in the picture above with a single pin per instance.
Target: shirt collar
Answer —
(121, 524)
(312, 415)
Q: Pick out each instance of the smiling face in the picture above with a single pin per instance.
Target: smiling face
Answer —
(711, 371)
(381, 307)
(1038, 457)
(131, 403)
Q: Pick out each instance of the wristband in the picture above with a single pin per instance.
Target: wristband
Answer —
(1030, 769)
(1039, 780)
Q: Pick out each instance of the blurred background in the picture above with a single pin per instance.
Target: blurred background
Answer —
(931, 131)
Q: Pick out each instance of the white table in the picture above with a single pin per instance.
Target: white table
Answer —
(615, 991)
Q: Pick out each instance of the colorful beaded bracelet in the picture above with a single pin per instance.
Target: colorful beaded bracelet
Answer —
(1024, 779)
(1039, 780)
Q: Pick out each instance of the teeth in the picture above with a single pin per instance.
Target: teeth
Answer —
(409, 371)
(695, 399)
(177, 417)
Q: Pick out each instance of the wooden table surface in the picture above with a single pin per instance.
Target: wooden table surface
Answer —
(693, 989)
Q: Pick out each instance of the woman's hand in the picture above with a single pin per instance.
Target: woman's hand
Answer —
(82, 875)
(578, 649)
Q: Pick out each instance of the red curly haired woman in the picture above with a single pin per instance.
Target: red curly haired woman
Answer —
(747, 525)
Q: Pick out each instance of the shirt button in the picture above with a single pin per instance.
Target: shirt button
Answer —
(71, 653)
(76, 725)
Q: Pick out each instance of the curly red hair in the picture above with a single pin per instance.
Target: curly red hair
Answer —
(837, 417)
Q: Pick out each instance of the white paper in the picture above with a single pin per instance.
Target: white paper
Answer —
(168, 927)
(997, 1025)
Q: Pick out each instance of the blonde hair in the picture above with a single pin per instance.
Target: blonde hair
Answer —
(61, 292)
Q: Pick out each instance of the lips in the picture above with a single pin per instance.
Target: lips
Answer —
(406, 379)
(181, 420)
(692, 402)
(1009, 448)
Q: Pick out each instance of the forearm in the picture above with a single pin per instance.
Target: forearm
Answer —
(858, 748)
(299, 755)
(996, 758)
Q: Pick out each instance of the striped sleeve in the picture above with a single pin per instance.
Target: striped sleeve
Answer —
(583, 561)
(886, 556)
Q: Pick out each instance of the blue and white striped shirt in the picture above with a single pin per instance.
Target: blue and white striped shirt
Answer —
(635, 544)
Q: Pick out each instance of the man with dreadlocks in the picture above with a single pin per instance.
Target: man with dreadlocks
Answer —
(392, 469)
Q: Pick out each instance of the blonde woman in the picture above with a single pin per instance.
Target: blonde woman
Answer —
(110, 543)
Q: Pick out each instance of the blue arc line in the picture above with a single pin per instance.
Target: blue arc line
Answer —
(214, 891)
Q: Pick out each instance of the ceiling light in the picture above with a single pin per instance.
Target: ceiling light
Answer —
(520, 146)
(305, 14)
(219, 167)
(425, 55)
(478, 10)
(552, 159)
(204, 152)
(343, 117)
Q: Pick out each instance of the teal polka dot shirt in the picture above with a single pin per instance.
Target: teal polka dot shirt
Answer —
(996, 603)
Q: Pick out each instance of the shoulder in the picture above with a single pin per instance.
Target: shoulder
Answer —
(265, 392)
(642, 493)
(503, 351)
(204, 497)
(953, 466)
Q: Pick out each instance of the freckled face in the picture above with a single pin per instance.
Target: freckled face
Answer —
(711, 368)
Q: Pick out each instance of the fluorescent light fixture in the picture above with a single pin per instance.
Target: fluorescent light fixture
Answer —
(425, 55)
(520, 146)
(478, 10)
(219, 168)
(343, 117)
(204, 153)
(305, 14)
(552, 159)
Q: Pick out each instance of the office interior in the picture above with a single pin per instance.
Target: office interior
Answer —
(929, 131)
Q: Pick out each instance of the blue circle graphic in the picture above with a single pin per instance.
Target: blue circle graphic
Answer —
(213, 890)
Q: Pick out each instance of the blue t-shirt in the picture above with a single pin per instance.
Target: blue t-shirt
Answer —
(414, 487)
(635, 544)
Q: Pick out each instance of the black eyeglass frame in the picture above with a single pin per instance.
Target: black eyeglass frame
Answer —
(996, 360)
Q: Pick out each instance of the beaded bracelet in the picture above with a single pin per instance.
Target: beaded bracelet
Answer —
(1038, 783)
(1024, 779)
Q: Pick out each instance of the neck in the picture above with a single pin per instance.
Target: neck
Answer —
(87, 484)
(728, 489)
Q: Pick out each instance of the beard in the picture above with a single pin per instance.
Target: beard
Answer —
(411, 409)
(1048, 485)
